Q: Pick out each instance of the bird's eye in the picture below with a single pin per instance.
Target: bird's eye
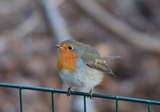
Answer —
(70, 48)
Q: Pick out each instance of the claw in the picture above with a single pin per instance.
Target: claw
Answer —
(69, 91)
(89, 95)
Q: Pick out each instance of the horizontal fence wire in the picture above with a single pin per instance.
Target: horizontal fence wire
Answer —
(103, 96)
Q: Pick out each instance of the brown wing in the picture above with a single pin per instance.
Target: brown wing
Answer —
(96, 62)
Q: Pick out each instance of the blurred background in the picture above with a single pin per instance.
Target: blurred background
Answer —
(29, 29)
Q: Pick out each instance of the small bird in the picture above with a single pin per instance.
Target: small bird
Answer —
(80, 65)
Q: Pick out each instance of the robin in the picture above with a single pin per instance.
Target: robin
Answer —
(80, 65)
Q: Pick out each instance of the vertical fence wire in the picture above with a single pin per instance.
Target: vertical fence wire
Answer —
(52, 101)
(117, 104)
(84, 101)
(149, 107)
(20, 99)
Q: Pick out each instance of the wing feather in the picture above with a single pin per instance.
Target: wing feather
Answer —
(98, 63)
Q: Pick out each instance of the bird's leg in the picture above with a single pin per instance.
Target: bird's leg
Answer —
(69, 91)
(89, 95)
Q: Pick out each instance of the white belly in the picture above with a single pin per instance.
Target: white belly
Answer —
(83, 77)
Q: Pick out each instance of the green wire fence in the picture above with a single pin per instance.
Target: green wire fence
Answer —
(52, 91)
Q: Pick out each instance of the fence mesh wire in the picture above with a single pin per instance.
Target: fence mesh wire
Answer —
(103, 96)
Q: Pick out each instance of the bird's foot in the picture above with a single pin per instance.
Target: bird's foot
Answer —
(69, 91)
(89, 95)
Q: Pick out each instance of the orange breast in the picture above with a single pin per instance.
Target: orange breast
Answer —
(67, 60)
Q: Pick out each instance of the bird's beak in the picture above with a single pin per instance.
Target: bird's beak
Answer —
(58, 46)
